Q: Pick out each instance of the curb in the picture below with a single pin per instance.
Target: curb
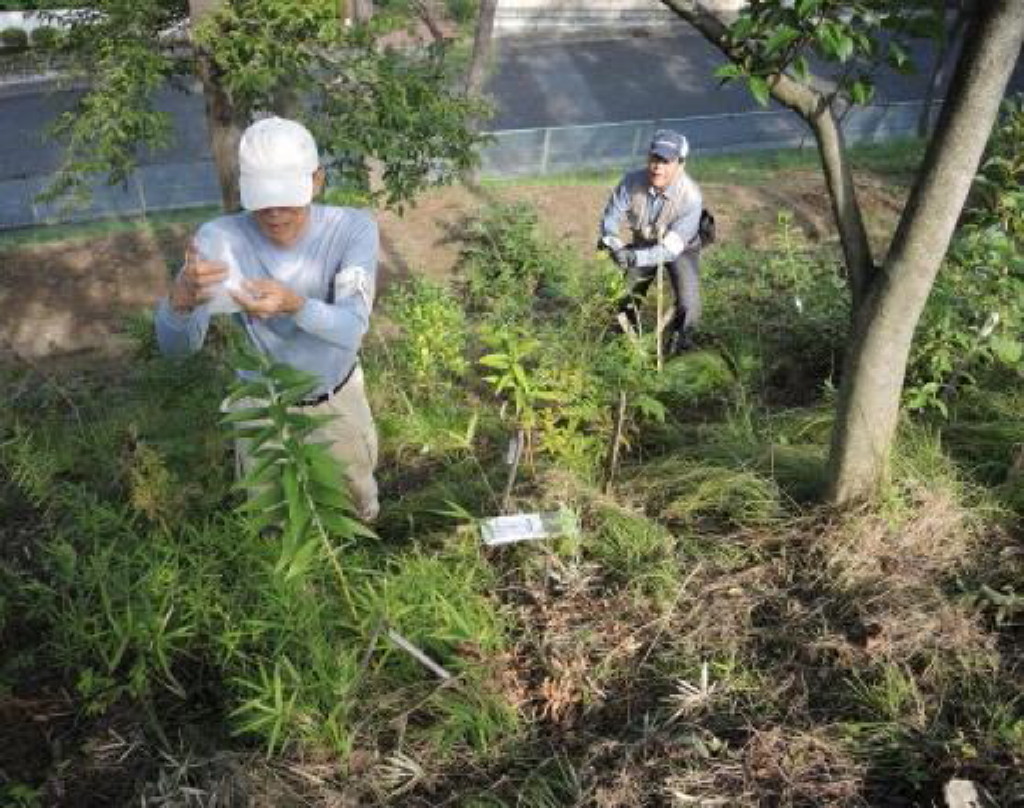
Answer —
(39, 82)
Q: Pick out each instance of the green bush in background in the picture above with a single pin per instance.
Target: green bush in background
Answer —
(13, 39)
(45, 37)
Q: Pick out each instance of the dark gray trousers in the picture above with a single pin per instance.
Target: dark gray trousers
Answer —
(684, 275)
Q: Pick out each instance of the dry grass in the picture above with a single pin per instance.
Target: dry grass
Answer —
(775, 767)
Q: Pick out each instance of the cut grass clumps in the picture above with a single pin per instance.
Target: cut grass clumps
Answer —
(634, 551)
(775, 766)
(696, 378)
(696, 495)
(441, 604)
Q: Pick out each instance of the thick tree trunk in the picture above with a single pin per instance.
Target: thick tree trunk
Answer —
(222, 120)
(813, 106)
(483, 41)
(872, 383)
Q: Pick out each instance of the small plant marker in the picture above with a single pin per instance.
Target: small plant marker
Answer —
(519, 527)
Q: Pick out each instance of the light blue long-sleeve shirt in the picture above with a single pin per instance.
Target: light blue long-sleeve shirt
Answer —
(333, 266)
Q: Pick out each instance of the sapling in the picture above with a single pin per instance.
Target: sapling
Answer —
(294, 485)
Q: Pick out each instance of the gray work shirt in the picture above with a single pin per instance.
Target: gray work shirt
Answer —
(333, 265)
(681, 231)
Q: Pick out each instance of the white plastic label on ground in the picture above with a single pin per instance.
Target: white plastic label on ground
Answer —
(527, 527)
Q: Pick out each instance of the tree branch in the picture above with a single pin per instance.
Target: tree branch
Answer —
(423, 11)
(813, 105)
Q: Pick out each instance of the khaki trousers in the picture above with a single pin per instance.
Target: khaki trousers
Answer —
(352, 436)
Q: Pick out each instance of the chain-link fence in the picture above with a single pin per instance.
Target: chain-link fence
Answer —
(533, 152)
(517, 153)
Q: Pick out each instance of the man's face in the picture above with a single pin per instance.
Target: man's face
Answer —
(282, 226)
(661, 172)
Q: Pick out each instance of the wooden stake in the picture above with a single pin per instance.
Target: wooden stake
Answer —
(658, 325)
(612, 463)
(517, 453)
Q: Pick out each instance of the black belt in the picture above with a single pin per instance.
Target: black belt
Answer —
(320, 399)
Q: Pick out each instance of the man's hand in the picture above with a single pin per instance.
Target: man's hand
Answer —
(267, 298)
(195, 282)
(624, 257)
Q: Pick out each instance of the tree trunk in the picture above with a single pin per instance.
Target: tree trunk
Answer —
(427, 17)
(875, 365)
(813, 106)
(853, 235)
(222, 120)
(483, 40)
(361, 10)
(948, 46)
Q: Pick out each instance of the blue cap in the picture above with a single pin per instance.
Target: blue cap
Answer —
(669, 145)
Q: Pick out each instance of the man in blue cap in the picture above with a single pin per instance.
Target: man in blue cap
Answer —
(661, 206)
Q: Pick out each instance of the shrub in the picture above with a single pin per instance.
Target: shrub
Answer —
(461, 10)
(508, 265)
(45, 37)
(434, 339)
(13, 39)
(961, 333)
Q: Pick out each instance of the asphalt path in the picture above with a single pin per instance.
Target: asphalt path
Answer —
(540, 84)
(535, 84)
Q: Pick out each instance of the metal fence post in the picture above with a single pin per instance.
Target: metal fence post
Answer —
(141, 190)
(545, 151)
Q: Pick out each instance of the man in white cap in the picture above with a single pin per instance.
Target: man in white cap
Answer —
(300, 279)
(661, 206)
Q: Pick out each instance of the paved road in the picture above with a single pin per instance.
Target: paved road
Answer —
(541, 84)
(535, 84)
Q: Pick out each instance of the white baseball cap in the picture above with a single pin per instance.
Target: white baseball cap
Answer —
(277, 159)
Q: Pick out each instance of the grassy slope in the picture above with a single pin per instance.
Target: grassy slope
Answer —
(709, 634)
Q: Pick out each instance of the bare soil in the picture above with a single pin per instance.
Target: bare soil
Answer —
(70, 298)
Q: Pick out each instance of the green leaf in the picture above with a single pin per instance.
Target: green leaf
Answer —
(728, 71)
(759, 89)
(800, 68)
(247, 414)
(781, 38)
(344, 526)
(269, 496)
(861, 92)
(898, 57)
(1007, 349)
(742, 28)
(302, 560)
(805, 8)
(266, 469)
(332, 496)
(497, 361)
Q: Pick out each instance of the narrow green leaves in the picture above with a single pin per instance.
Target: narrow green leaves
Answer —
(294, 483)
(759, 89)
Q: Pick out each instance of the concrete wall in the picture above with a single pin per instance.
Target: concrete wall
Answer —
(525, 16)
(26, 20)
